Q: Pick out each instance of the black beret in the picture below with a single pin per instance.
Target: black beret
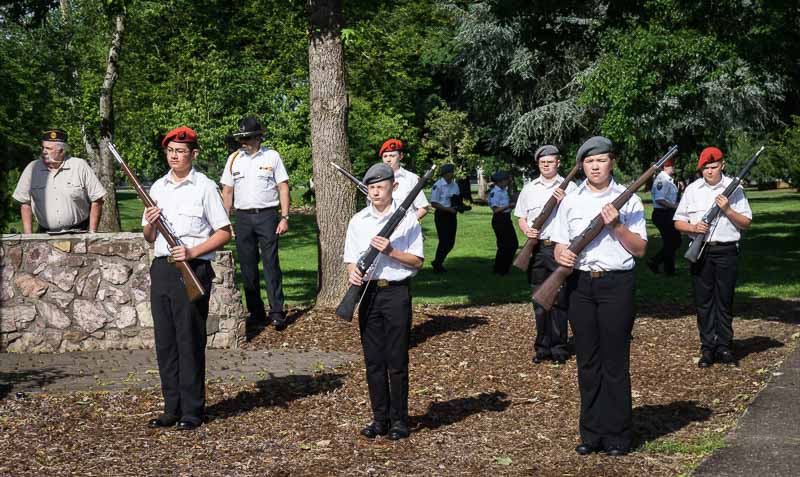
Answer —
(594, 146)
(377, 173)
(546, 150)
(54, 135)
(447, 169)
(500, 176)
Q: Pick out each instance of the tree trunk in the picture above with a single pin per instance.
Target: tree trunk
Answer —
(482, 186)
(335, 197)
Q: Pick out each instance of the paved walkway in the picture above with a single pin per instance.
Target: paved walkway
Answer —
(120, 370)
(766, 440)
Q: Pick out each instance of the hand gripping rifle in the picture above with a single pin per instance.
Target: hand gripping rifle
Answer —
(545, 294)
(194, 289)
(348, 304)
(360, 185)
(698, 244)
(524, 258)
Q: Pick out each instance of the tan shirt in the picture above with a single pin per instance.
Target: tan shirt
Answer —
(60, 198)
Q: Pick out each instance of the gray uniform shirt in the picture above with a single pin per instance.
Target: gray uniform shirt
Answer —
(60, 198)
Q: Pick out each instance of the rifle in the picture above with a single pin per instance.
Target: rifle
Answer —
(348, 304)
(524, 258)
(545, 294)
(194, 289)
(698, 244)
(360, 185)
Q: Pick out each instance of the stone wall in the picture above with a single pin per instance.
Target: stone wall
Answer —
(92, 291)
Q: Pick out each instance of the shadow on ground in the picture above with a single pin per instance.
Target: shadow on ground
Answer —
(275, 391)
(449, 412)
(752, 345)
(29, 378)
(441, 324)
(653, 421)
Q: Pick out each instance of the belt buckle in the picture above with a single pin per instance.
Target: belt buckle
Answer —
(383, 283)
(170, 259)
(596, 274)
(547, 242)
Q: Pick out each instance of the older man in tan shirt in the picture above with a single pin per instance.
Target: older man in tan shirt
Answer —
(62, 192)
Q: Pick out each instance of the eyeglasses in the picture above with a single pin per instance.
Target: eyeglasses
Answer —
(180, 152)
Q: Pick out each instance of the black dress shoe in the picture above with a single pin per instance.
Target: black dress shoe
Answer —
(163, 420)
(653, 266)
(374, 429)
(540, 358)
(586, 448)
(705, 361)
(616, 451)
(280, 325)
(399, 430)
(559, 358)
(726, 357)
(438, 268)
(187, 425)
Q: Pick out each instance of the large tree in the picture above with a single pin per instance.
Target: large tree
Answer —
(335, 198)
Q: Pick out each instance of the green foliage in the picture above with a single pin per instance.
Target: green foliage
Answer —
(785, 153)
(450, 139)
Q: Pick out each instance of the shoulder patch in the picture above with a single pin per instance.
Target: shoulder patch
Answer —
(659, 185)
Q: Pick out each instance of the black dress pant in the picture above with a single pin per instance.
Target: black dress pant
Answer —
(446, 225)
(714, 282)
(551, 326)
(670, 237)
(385, 323)
(254, 233)
(601, 311)
(507, 242)
(180, 334)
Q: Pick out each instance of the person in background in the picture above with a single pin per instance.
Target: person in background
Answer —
(501, 206)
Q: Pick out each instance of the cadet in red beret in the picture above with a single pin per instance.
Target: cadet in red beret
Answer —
(191, 203)
(391, 153)
(714, 274)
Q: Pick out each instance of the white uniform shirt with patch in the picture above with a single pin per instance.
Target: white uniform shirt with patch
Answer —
(699, 197)
(664, 188)
(442, 191)
(193, 207)
(407, 180)
(532, 199)
(407, 237)
(604, 253)
(498, 197)
(254, 178)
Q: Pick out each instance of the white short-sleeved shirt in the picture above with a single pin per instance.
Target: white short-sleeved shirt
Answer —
(498, 197)
(60, 198)
(442, 191)
(604, 253)
(699, 197)
(254, 178)
(407, 180)
(534, 196)
(407, 237)
(193, 207)
(664, 188)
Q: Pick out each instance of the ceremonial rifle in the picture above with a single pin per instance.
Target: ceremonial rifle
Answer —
(352, 178)
(347, 306)
(545, 294)
(698, 244)
(194, 289)
(524, 258)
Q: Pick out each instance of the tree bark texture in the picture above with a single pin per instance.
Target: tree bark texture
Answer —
(335, 196)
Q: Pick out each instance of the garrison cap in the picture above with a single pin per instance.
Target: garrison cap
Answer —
(500, 176)
(54, 135)
(390, 146)
(594, 146)
(248, 127)
(447, 169)
(377, 173)
(709, 155)
(180, 134)
(546, 150)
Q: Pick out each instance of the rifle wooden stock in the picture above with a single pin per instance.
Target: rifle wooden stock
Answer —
(696, 247)
(524, 257)
(194, 289)
(545, 294)
(347, 307)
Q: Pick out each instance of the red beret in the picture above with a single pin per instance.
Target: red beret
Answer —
(180, 134)
(391, 145)
(709, 154)
(669, 163)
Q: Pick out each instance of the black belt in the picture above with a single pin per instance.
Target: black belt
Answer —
(720, 244)
(603, 273)
(80, 227)
(171, 259)
(387, 283)
(256, 211)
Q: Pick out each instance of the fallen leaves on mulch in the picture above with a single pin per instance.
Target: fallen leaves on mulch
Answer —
(477, 403)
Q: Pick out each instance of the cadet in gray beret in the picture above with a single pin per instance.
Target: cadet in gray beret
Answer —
(594, 146)
(445, 199)
(546, 150)
(377, 173)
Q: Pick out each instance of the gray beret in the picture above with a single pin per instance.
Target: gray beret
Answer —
(500, 176)
(595, 145)
(447, 169)
(377, 173)
(546, 150)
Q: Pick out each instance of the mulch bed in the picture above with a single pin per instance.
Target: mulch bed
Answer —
(478, 405)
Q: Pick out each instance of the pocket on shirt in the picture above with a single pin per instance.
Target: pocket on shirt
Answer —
(190, 220)
(266, 177)
(695, 214)
(76, 191)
